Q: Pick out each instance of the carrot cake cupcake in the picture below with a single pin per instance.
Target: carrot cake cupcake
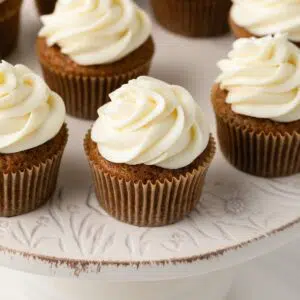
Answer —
(149, 152)
(257, 104)
(89, 48)
(193, 18)
(9, 25)
(32, 140)
(45, 7)
(264, 17)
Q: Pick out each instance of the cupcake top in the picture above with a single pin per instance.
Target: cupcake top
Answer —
(264, 17)
(30, 114)
(151, 122)
(93, 32)
(262, 77)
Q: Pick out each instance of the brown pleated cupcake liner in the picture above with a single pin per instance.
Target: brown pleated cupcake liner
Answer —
(259, 153)
(193, 17)
(28, 189)
(84, 95)
(9, 31)
(150, 204)
(45, 7)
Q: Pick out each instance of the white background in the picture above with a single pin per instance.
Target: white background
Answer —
(274, 277)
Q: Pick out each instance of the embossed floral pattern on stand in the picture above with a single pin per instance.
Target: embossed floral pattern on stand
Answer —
(229, 213)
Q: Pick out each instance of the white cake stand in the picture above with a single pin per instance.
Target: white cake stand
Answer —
(70, 249)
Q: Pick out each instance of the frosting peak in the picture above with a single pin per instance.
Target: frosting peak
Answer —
(263, 17)
(94, 32)
(262, 77)
(151, 122)
(30, 114)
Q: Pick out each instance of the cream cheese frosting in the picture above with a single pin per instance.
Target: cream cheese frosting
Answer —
(151, 122)
(30, 114)
(264, 17)
(93, 32)
(262, 77)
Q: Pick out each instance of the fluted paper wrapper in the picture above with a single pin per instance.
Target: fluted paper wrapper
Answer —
(9, 31)
(45, 7)
(83, 95)
(259, 153)
(26, 190)
(193, 18)
(150, 204)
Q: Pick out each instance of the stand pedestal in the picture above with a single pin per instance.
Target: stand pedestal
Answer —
(17, 285)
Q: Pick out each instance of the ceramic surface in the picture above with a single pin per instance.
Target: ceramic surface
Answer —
(239, 216)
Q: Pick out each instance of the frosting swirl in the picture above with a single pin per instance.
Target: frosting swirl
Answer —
(262, 77)
(151, 122)
(93, 32)
(30, 114)
(264, 17)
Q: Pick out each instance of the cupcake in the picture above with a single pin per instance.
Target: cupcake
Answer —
(257, 104)
(87, 49)
(9, 25)
(32, 140)
(149, 152)
(193, 18)
(45, 7)
(252, 18)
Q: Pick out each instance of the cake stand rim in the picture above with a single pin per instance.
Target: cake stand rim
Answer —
(74, 263)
